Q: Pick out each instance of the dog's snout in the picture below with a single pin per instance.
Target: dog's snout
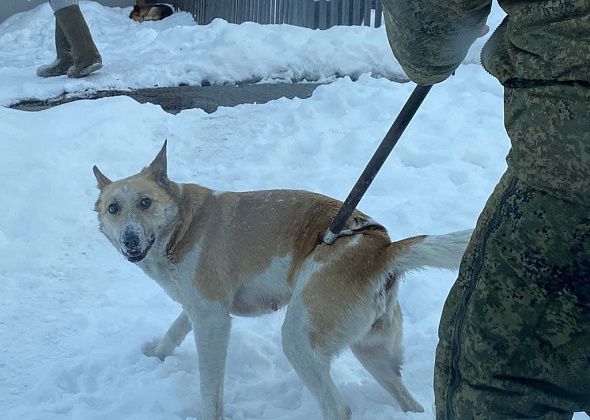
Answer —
(135, 244)
(131, 240)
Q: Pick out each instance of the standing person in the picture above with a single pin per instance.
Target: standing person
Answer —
(515, 329)
(77, 56)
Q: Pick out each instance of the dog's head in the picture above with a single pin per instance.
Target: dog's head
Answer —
(138, 13)
(138, 214)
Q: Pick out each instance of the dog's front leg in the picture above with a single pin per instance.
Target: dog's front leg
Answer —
(172, 339)
(211, 325)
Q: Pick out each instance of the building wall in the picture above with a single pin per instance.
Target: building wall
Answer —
(10, 7)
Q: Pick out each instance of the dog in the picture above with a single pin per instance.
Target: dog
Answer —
(142, 10)
(220, 254)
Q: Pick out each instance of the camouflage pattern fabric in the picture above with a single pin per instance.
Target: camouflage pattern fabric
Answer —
(540, 52)
(539, 40)
(515, 330)
(549, 127)
(430, 38)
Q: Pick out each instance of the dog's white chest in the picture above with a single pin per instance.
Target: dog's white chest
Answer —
(175, 279)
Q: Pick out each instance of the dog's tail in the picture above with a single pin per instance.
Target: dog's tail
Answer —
(441, 251)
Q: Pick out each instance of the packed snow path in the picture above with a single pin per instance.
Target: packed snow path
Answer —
(177, 51)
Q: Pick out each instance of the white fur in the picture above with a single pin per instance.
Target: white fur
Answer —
(267, 291)
(172, 339)
(209, 320)
(441, 251)
(175, 279)
(211, 323)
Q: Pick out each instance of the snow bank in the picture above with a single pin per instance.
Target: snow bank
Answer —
(176, 51)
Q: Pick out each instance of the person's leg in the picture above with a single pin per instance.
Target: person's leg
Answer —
(60, 4)
(85, 55)
(63, 60)
(515, 330)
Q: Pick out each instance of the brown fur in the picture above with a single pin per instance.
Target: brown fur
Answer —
(260, 225)
(344, 283)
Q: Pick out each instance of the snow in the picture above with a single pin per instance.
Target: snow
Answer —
(176, 51)
(74, 314)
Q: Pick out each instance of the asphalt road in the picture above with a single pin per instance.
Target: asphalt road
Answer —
(175, 99)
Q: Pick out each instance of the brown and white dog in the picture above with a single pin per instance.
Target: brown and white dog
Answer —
(220, 254)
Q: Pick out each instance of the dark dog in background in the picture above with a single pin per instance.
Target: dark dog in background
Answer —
(144, 10)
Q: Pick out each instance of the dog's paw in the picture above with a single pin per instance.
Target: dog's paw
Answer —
(153, 349)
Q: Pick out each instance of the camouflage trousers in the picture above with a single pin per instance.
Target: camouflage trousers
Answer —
(515, 329)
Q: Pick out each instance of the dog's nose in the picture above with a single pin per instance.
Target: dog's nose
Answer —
(131, 241)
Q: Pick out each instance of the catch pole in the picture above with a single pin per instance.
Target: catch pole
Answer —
(376, 162)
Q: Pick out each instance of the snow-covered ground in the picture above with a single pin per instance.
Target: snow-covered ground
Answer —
(74, 314)
(177, 51)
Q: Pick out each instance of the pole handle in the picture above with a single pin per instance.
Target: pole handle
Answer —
(389, 141)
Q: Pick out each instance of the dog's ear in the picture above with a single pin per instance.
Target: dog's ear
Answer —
(103, 181)
(159, 166)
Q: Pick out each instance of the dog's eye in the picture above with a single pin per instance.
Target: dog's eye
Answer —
(145, 203)
(113, 208)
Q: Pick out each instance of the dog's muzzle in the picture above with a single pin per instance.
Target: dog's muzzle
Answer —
(132, 247)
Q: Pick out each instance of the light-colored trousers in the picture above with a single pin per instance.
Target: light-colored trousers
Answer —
(60, 4)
